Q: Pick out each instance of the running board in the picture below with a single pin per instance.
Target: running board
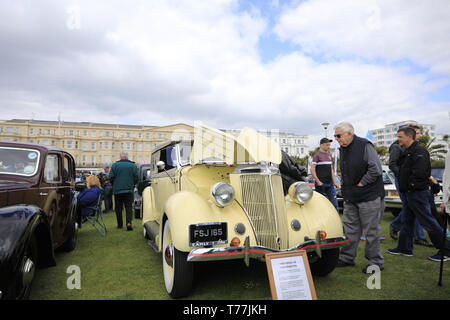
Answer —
(152, 230)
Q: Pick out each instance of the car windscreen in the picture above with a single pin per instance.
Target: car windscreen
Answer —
(387, 178)
(185, 153)
(19, 161)
(437, 173)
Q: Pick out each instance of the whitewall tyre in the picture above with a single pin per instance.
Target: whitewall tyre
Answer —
(178, 272)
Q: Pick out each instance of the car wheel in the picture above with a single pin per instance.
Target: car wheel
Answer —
(396, 211)
(326, 264)
(137, 213)
(178, 272)
(20, 289)
(72, 239)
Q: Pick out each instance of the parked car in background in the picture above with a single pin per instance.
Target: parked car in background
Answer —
(392, 198)
(143, 182)
(37, 212)
(220, 197)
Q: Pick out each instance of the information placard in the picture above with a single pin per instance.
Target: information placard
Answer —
(290, 276)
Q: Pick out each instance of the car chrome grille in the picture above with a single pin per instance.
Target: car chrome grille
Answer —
(258, 201)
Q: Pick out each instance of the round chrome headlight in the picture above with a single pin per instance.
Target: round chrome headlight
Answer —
(300, 192)
(223, 193)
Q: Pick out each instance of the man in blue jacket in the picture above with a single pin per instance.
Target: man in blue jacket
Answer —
(123, 176)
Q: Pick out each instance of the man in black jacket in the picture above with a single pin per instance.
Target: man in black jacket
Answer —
(395, 153)
(414, 175)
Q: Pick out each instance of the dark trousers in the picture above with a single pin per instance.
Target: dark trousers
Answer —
(417, 206)
(397, 223)
(123, 200)
(108, 198)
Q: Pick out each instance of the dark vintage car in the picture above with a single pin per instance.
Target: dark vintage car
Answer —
(37, 212)
(143, 182)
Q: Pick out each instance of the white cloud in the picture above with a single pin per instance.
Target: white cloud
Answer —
(394, 30)
(162, 62)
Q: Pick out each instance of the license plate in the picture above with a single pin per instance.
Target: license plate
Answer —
(394, 193)
(206, 234)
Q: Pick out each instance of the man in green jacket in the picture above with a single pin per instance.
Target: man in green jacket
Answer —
(123, 176)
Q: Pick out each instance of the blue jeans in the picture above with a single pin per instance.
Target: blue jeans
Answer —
(329, 191)
(397, 223)
(417, 207)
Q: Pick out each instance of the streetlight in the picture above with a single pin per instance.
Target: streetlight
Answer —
(325, 126)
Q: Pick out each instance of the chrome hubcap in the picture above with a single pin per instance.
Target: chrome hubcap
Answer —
(27, 272)
(168, 255)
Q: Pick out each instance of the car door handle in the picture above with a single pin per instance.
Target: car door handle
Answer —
(43, 194)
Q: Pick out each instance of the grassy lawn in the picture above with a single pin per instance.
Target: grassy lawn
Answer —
(122, 266)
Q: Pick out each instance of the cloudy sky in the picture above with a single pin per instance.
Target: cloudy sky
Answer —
(287, 65)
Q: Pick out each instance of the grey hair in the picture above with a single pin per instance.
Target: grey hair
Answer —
(345, 126)
(123, 154)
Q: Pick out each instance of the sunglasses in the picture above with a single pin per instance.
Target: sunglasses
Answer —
(338, 135)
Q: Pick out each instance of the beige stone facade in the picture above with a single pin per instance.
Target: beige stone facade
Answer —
(94, 145)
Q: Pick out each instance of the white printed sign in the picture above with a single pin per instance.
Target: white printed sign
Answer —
(290, 276)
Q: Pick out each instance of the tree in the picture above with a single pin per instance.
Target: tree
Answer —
(382, 152)
(437, 151)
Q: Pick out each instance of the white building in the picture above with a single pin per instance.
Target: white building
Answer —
(387, 135)
(293, 144)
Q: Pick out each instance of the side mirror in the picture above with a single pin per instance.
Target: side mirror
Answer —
(148, 175)
(161, 165)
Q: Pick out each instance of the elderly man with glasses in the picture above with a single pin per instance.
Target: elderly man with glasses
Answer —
(363, 192)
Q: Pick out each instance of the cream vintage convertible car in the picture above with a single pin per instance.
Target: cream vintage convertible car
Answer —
(219, 197)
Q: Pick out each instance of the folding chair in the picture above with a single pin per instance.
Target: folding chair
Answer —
(96, 217)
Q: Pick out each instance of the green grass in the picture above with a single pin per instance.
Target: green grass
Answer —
(122, 266)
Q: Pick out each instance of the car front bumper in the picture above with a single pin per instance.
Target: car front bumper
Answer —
(257, 252)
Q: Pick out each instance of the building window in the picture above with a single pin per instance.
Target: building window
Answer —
(128, 145)
(69, 144)
(147, 135)
(70, 132)
(139, 146)
(93, 160)
(9, 130)
(85, 133)
(93, 134)
(128, 134)
(31, 130)
(85, 146)
(92, 145)
(83, 161)
(106, 145)
(106, 133)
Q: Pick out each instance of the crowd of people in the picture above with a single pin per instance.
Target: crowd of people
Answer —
(363, 194)
(119, 180)
(362, 191)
